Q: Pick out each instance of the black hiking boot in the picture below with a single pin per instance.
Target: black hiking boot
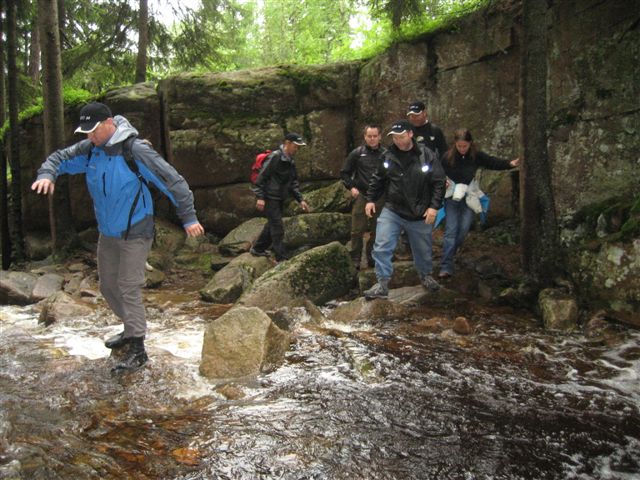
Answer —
(116, 341)
(133, 358)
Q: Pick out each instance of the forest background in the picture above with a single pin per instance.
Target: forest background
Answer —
(57, 53)
(101, 46)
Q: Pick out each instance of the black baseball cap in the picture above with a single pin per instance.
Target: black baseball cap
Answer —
(91, 115)
(416, 108)
(399, 127)
(295, 138)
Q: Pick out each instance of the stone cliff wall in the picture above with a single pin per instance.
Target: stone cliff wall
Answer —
(210, 126)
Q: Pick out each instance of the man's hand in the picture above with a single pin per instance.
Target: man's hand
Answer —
(304, 206)
(370, 209)
(515, 162)
(194, 230)
(43, 186)
(260, 205)
(430, 216)
(355, 192)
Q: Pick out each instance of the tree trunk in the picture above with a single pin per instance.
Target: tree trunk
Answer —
(143, 42)
(59, 205)
(34, 54)
(5, 248)
(540, 241)
(17, 232)
(62, 22)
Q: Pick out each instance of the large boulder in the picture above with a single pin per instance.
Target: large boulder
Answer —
(244, 112)
(332, 198)
(306, 230)
(227, 285)
(242, 342)
(361, 309)
(314, 229)
(398, 305)
(239, 239)
(321, 274)
(16, 288)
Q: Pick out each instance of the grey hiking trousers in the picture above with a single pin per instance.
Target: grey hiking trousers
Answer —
(121, 268)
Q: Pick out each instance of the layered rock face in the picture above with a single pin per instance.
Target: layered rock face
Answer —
(211, 126)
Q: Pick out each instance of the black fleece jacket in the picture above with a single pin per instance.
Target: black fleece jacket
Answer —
(360, 166)
(278, 178)
(411, 181)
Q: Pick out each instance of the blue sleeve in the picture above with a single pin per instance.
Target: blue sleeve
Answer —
(71, 160)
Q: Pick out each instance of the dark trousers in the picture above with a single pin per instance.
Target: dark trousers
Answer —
(361, 224)
(273, 232)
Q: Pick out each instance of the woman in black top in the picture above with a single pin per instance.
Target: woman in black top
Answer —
(460, 163)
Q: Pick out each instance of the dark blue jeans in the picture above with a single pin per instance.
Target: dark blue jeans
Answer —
(273, 232)
(458, 220)
(387, 233)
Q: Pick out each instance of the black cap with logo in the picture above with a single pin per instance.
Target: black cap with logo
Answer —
(91, 115)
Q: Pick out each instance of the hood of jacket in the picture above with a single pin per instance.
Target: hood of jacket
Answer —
(123, 131)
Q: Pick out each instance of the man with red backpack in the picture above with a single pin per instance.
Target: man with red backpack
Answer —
(278, 178)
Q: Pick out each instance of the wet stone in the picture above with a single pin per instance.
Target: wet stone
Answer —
(16, 287)
(47, 285)
(559, 309)
(461, 326)
(231, 392)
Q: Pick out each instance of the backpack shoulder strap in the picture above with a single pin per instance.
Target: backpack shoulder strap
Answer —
(127, 153)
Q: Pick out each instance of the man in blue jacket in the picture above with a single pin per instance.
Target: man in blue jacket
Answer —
(124, 211)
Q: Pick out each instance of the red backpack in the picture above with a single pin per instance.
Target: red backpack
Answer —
(257, 165)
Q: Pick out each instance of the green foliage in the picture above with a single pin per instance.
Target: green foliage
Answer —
(433, 16)
(71, 96)
(210, 37)
(292, 32)
(99, 39)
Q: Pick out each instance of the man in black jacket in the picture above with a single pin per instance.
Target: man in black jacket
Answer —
(356, 173)
(413, 182)
(424, 131)
(277, 179)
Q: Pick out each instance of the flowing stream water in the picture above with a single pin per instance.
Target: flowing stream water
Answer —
(369, 400)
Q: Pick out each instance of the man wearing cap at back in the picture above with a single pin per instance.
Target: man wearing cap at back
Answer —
(277, 179)
(424, 131)
(413, 182)
(124, 211)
